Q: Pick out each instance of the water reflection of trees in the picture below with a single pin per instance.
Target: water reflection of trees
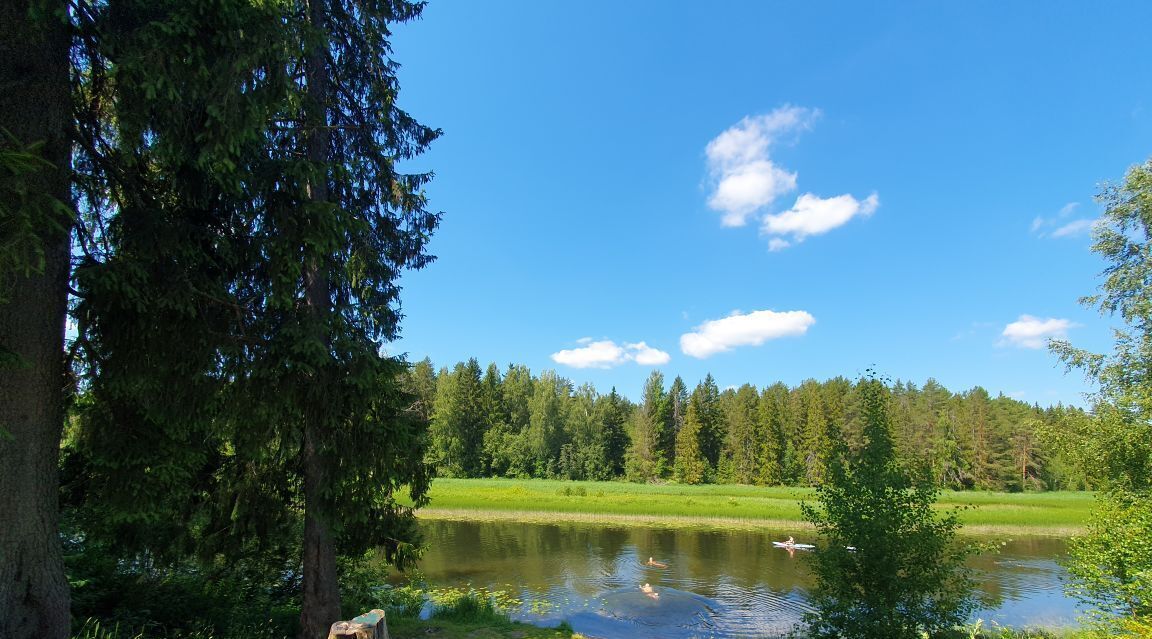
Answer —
(532, 554)
(588, 559)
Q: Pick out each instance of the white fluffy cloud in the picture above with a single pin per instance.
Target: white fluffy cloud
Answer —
(738, 329)
(1034, 332)
(748, 188)
(746, 181)
(1062, 224)
(744, 175)
(813, 215)
(645, 355)
(608, 354)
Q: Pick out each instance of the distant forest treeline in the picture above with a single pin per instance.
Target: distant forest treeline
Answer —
(488, 423)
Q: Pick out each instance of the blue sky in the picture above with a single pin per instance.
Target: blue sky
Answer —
(769, 191)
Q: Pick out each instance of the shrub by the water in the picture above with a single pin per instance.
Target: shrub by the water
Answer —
(889, 567)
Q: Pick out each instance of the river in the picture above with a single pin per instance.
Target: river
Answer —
(715, 583)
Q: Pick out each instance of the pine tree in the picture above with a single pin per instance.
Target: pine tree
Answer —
(492, 408)
(421, 383)
(612, 414)
(814, 443)
(691, 467)
(646, 459)
(459, 420)
(581, 456)
(743, 444)
(712, 427)
(504, 444)
(976, 441)
(676, 412)
(774, 413)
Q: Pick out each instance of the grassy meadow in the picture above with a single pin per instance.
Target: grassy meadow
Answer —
(728, 506)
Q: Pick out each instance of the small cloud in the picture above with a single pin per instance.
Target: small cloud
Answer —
(1034, 332)
(645, 355)
(1067, 210)
(604, 354)
(813, 215)
(777, 244)
(608, 354)
(745, 177)
(1061, 224)
(753, 329)
(1074, 228)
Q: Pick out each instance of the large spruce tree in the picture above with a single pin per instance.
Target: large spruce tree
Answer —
(249, 224)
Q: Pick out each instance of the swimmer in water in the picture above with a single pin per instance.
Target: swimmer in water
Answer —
(656, 564)
(650, 591)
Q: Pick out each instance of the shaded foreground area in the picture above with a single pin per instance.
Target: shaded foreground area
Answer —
(730, 506)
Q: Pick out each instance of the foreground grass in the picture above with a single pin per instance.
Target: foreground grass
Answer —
(1055, 513)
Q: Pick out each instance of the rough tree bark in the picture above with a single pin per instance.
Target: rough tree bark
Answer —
(321, 603)
(34, 107)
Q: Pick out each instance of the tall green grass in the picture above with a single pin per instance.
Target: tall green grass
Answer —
(728, 505)
(468, 606)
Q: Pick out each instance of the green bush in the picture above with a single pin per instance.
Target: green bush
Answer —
(1111, 566)
(889, 567)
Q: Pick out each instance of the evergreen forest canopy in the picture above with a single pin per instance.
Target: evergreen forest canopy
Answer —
(515, 424)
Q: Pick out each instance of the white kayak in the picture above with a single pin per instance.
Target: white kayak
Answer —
(784, 544)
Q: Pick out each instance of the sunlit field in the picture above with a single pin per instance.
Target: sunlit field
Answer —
(1055, 513)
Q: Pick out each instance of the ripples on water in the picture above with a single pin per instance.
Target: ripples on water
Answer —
(716, 583)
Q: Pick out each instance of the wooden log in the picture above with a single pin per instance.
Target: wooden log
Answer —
(370, 625)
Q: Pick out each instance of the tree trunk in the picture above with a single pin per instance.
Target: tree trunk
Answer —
(321, 604)
(34, 107)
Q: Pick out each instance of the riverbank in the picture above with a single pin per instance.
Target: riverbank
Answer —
(439, 629)
(726, 507)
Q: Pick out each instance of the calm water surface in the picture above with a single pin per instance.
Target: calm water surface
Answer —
(716, 584)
